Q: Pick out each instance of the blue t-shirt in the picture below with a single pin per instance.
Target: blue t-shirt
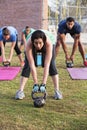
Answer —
(13, 34)
(62, 28)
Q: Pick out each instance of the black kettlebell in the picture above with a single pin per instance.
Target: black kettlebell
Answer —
(6, 63)
(69, 64)
(39, 101)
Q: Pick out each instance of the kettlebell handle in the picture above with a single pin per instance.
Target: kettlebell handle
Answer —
(6, 63)
(35, 97)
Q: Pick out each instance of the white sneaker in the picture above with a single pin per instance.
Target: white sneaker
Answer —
(58, 95)
(19, 94)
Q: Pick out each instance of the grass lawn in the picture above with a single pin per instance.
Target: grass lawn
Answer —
(70, 113)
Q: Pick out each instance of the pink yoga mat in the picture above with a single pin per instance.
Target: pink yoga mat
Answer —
(78, 73)
(8, 73)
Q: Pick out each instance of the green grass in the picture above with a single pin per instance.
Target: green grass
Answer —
(67, 114)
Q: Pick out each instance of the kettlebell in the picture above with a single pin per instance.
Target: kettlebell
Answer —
(6, 63)
(39, 101)
(69, 64)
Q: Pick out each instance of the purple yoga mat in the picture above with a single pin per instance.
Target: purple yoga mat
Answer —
(78, 73)
(8, 73)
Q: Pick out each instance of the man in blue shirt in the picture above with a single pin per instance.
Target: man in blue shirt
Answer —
(9, 34)
(74, 29)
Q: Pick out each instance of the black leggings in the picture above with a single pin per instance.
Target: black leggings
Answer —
(52, 69)
(16, 48)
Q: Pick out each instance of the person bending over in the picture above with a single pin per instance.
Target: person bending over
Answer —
(69, 25)
(41, 42)
(9, 34)
(26, 32)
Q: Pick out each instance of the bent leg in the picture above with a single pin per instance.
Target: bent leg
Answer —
(18, 52)
(55, 78)
(23, 80)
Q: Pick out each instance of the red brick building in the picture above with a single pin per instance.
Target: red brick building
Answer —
(19, 13)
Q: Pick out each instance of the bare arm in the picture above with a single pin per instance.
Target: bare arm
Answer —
(31, 61)
(47, 61)
(75, 45)
(24, 39)
(11, 51)
(64, 46)
(3, 51)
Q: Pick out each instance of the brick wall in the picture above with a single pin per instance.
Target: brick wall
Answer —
(19, 13)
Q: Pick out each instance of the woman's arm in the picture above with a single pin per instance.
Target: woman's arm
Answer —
(47, 60)
(3, 51)
(31, 61)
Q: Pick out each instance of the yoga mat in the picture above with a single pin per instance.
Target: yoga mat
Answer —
(8, 73)
(78, 73)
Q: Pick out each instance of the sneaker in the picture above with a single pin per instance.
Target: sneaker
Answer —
(19, 95)
(58, 95)
(35, 88)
